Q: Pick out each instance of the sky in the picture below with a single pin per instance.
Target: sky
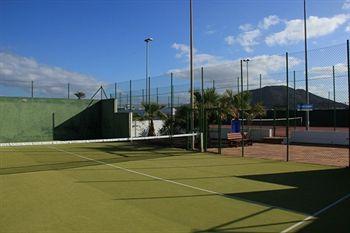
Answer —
(103, 41)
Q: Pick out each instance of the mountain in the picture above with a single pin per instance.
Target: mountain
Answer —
(275, 96)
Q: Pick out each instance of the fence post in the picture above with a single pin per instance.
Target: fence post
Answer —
(115, 90)
(68, 87)
(149, 90)
(130, 90)
(348, 58)
(238, 85)
(219, 129)
(206, 130)
(287, 128)
(202, 100)
(32, 89)
(294, 101)
(261, 99)
(242, 111)
(334, 108)
(53, 125)
(171, 103)
(143, 95)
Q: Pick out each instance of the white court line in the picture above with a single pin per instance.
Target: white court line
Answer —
(313, 216)
(177, 183)
(214, 192)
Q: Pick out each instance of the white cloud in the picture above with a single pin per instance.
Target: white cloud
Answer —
(227, 71)
(269, 21)
(183, 50)
(199, 58)
(317, 27)
(347, 29)
(230, 40)
(246, 27)
(249, 37)
(17, 72)
(246, 39)
(346, 5)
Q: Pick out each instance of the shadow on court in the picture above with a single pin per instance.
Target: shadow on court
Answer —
(310, 192)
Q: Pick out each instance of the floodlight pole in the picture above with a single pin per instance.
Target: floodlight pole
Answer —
(147, 40)
(306, 70)
(247, 61)
(191, 74)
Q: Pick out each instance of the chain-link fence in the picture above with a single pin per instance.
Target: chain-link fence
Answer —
(288, 110)
(269, 106)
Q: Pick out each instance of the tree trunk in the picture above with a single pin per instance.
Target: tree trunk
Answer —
(151, 131)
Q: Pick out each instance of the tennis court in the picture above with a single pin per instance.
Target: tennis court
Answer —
(134, 187)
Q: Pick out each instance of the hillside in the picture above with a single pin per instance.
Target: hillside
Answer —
(275, 96)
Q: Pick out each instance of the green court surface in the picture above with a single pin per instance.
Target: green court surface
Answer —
(120, 187)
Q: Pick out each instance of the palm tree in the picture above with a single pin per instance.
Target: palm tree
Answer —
(231, 105)
(152, 111)
(211, 98)
(80, 95)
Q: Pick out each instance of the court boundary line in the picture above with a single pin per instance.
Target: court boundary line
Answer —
(179, 183)
(314, 215)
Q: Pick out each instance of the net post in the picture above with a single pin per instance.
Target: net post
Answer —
(201, 142)
(287, 109)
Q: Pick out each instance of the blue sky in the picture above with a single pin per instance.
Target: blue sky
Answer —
(103, 40)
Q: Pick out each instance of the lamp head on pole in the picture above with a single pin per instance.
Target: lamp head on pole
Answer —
(246, 60)
(147, 40)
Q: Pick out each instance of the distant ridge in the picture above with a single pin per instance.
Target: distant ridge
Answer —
(275, 96)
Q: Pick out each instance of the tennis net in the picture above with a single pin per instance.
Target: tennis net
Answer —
(177, 140)
(58, 155)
